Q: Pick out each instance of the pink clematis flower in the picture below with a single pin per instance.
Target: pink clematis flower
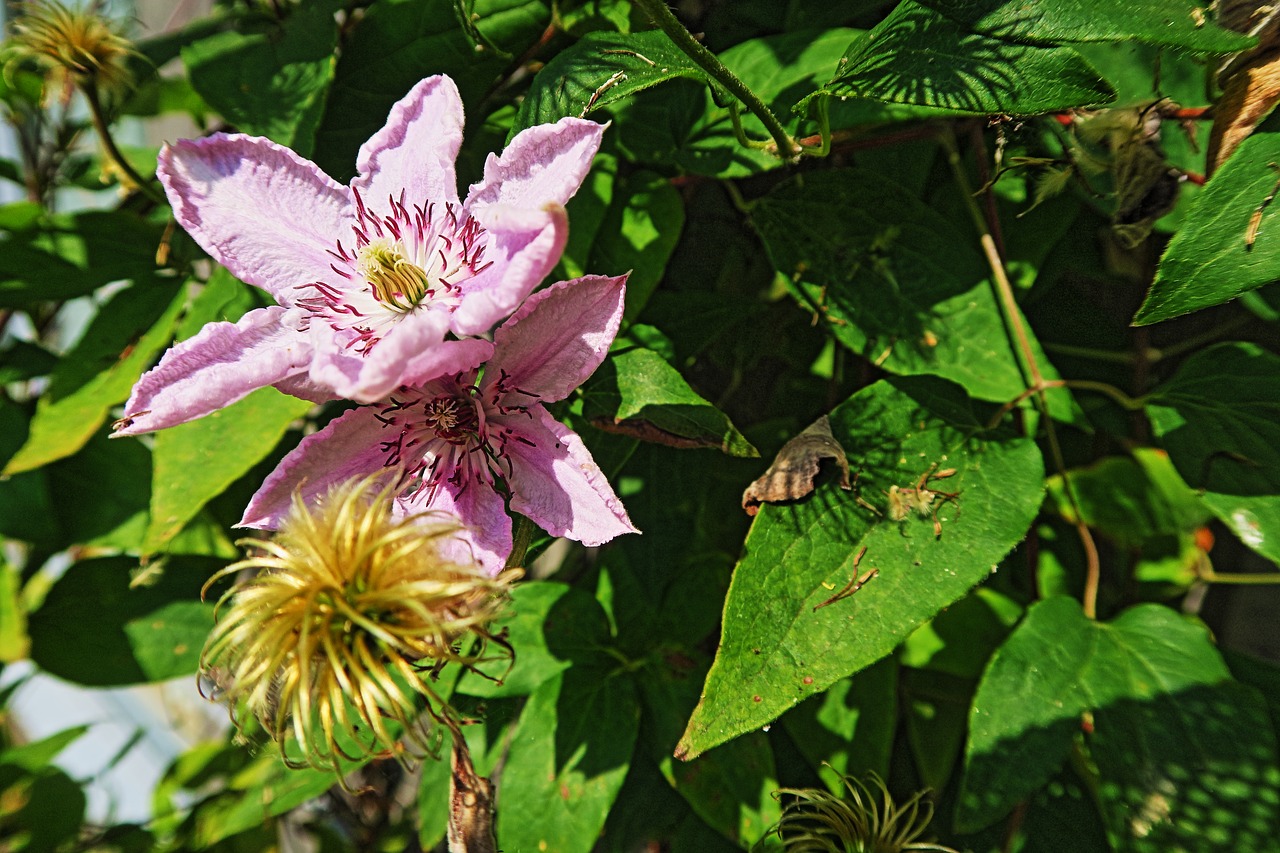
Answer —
(462, 439)
(370, 278)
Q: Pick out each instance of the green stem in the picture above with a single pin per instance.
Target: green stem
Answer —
(735, 116)
(707, 61)
(521, 537)
(113, 153)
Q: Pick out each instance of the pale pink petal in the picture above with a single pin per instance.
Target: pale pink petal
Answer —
(542, 165)
(301, 386)
(260, 210)
(560, 335)
(221, 364)
(526, 246)
(446, 359)
(555, 482)
(415, 151)
(487, 537)
(350, 446)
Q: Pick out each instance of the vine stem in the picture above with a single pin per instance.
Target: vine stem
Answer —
(521, 538)
(96, 114)
(707, 61)
(1037, 386)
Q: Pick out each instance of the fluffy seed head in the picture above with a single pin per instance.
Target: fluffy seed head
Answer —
(339, 623)
(72, 46)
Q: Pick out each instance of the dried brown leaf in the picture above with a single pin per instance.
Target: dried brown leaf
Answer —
(792, 473)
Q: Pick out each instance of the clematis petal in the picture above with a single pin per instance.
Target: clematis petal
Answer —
(260, 210)
(371, 377)
(415, 151)
(526, 246)
(560, 335)
(555, 482)
(350, 446)
(542, 165)
(487, 537)
(221, 364)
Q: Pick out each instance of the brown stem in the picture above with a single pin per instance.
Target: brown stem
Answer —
(1037, 385)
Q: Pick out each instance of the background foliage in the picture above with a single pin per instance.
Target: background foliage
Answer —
(1003, 275)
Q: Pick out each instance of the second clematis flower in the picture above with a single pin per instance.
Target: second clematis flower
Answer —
(374, 282)
(462, 439)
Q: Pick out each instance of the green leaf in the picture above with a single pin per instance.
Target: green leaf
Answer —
(44, 808)
(637, 393)
(554, 626)
(639, 232)
(86, 510)
(776, 648)
(569, 755)
(62, 256)
(195, 462)
(270, 78)
(1219, 419)
(848, 729)
(99, 371)
(917, 56)
(898, 283)
(38, 754)
(602, 69)
(14, 642)
(1150, 678)
(1210, 260)
(95, 628)
(22, 360)
(399, 42)
(1176, 23)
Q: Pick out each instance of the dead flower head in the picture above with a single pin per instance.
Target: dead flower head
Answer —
(71, 46)
(865, 821)
(336, 626)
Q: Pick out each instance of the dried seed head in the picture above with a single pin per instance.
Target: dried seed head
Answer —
(338, 624)
(865, 821)
(72, 46)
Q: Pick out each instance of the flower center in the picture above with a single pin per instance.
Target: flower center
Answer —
(397, 282)
(452, 419)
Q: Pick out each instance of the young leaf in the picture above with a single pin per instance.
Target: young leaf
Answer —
(776, 648)
(917, 56)
(1230, 241)
(898, 283)
(1219, 418)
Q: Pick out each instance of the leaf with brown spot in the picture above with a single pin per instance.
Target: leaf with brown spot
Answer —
(792, 473)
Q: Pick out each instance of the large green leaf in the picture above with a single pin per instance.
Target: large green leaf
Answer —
(776, 648)
(270, 78)
(569, 755)
(99, 371)
(917, 56)
(399, 42)
(1211, 259)
(602, 69)
(638, 232)
(637, 393)
(60, 256)
(1176, 23)
(1186, 758)
(95, 628)
(194, 462)
(1219, 418)
(896, 281)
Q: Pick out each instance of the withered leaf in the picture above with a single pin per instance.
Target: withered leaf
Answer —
(792, 473)
(470, 802)
(647, 431)
(1250, 80)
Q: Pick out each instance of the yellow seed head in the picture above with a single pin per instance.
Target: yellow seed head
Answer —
(72, 46)
(338, 624)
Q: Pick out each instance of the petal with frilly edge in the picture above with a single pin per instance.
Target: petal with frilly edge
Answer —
(416, 149)
(260, 210)
(487, 535)
(526, 245)
(221, 364)
(542, 165)
(560, 335)
(350, 446)
(555, 482)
